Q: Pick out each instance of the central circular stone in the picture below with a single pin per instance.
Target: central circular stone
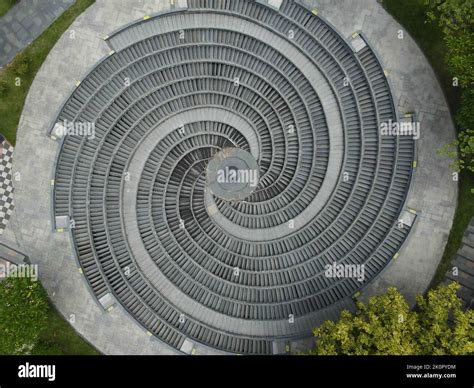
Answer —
(232, 174)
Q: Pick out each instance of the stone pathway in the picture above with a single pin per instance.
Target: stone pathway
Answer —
(6, 184)
(24, 22)
(462, 270)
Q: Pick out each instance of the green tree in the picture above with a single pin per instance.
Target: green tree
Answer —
(465, 114)
(461, 151)
(23, 315)
(386, 326)
(444, 327)
(456, 19)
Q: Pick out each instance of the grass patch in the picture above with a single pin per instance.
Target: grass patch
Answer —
(61, 339)
(25, 66)
(5, 6)
(411, 14)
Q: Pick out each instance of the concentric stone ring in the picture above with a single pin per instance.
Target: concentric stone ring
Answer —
(170, 220)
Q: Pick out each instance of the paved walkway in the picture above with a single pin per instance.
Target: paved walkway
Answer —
(24, 22)
(6, 184)
(462, 267)
(433, 193)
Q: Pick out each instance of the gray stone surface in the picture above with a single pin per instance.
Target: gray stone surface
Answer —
(160, 282)
(433, 193)
(462, 267)
(24, 22)
(8, 253)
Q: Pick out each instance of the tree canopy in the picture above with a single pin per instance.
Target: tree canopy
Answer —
(438, 325)
(456, 19)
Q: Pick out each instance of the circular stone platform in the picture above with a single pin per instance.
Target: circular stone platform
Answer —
(198, 272)
(232, 174)
(196, 238)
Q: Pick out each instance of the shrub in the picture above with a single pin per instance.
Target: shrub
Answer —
(385, 326)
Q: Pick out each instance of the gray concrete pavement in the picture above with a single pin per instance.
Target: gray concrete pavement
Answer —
(24, 22)
(433, 193)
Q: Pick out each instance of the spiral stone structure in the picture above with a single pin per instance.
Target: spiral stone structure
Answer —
(246, 86)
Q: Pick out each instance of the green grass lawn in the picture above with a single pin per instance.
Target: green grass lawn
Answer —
(411, 14)
(61, 339)
(24, 68)
(5, 5)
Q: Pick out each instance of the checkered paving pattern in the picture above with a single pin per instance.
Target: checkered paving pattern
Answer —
(6, 184)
